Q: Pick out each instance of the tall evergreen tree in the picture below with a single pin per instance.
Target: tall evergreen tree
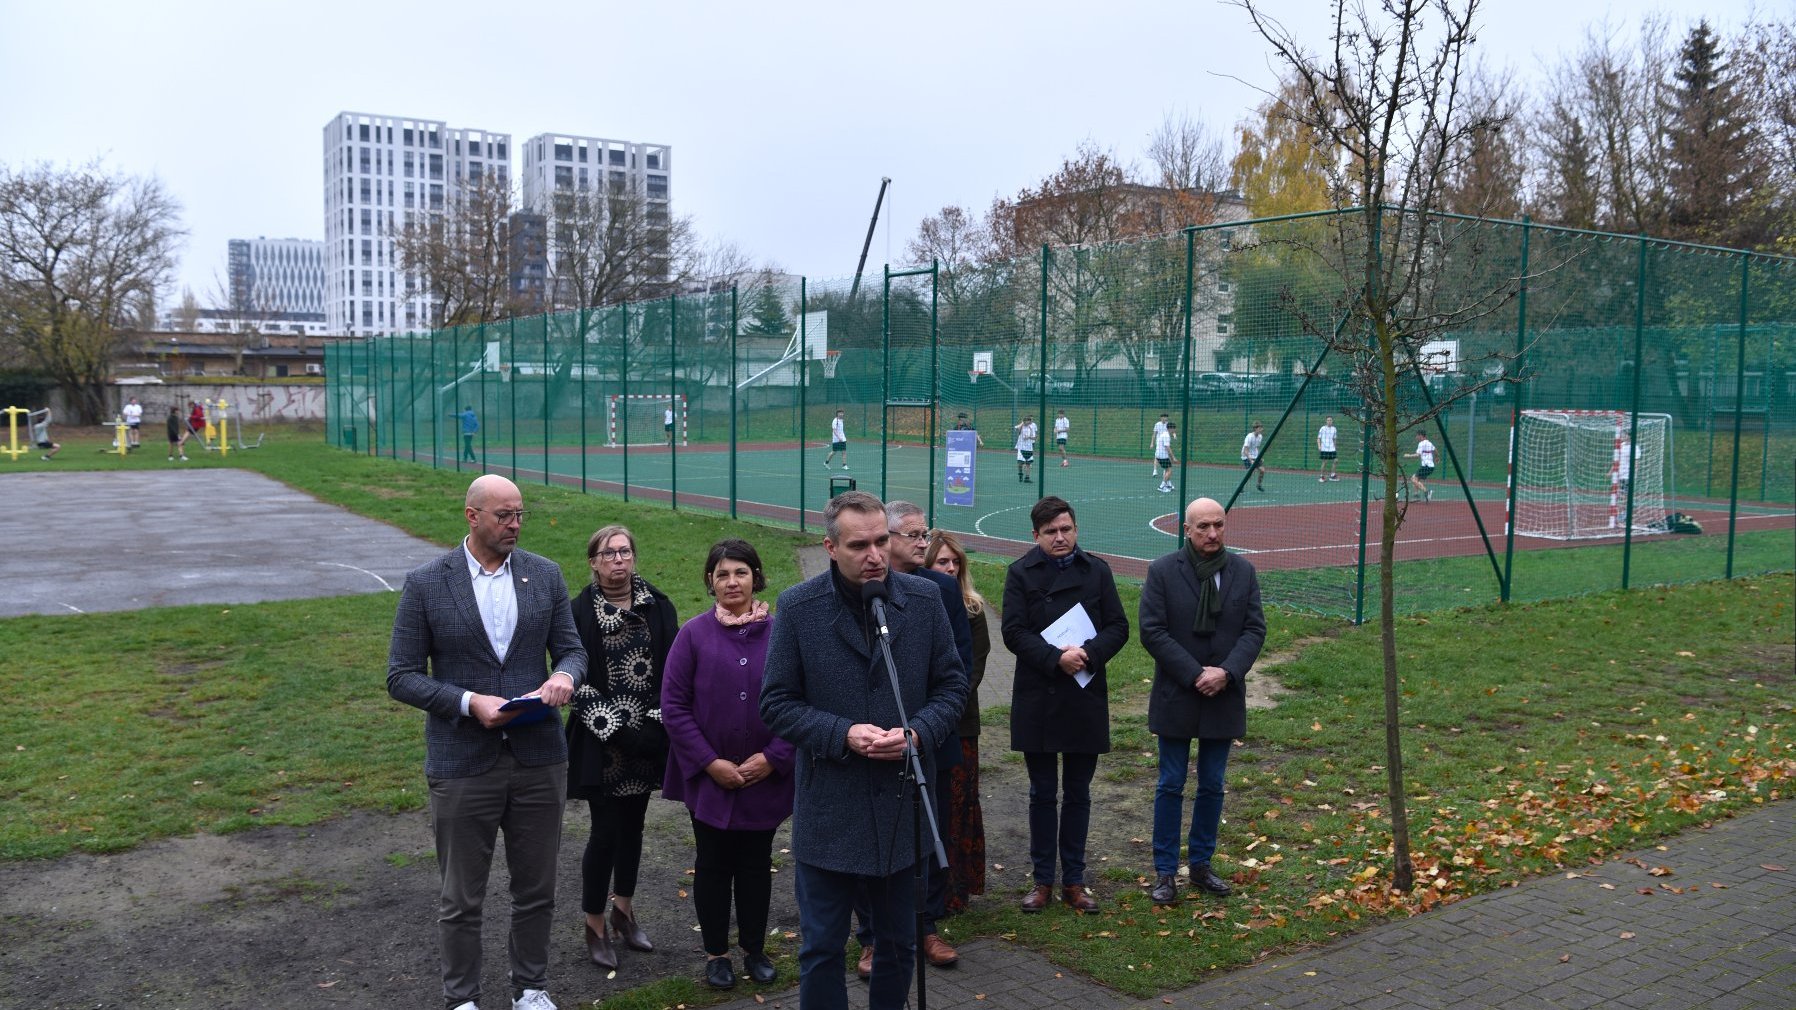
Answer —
(1716, 165)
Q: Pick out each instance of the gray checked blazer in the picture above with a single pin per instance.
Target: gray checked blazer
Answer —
(440, 649)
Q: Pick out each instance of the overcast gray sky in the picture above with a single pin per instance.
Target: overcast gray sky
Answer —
(782, 115)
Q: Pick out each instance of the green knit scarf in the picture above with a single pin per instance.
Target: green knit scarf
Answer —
(1209, 597)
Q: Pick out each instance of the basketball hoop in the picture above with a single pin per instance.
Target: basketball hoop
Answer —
(830, 360)
(973, 375)
(504, 371)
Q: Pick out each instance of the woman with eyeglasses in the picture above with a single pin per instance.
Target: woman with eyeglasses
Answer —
(963, 821)
(734, 776)
(617, 748)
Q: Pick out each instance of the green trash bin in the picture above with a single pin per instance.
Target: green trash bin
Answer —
(837, 485)
(349, 436)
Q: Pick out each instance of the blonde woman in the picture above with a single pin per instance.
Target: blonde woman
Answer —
(964, 823)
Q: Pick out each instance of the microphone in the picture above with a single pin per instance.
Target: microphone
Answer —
(874, 594)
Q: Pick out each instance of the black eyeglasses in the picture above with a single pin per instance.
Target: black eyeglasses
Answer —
(507, 516)
(618, 554)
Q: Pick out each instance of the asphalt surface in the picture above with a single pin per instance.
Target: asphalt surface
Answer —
(1563, 942)
(87, 542)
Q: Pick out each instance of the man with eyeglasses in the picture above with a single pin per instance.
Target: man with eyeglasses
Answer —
(1201, 621)
(472, 632)
(910, 544)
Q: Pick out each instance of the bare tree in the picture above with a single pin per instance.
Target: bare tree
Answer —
(614, 244)
(1390, 95)
(956, 241)
(1613, 102)
(1485, 172)
(1189, 163)
(462, 256)
(1767, 54)
(81, 250)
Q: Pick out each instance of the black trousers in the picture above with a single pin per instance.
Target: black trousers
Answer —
(732, 861)
(613, 850)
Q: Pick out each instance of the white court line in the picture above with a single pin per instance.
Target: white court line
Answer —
(388, 586)
(71, 606)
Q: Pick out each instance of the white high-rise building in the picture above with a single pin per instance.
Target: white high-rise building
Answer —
(276, 277)
(379, 171)
(557, 164)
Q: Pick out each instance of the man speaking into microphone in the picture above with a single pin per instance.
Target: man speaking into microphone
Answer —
(828, 693)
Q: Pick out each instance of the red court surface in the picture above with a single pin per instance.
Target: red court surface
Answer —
(1327, 534)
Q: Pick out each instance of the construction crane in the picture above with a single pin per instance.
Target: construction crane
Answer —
(854, 289)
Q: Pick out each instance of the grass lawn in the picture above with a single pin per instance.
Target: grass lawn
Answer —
(1537, 737)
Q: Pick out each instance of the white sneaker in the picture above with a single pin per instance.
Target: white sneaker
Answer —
(1321, 480)
(1428, 495)
(533, 999)
(1334, 476)
(844, 466)
(469, 1005)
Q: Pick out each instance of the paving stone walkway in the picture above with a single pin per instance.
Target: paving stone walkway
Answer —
(1557, 943)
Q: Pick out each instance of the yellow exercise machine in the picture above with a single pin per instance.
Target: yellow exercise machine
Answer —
(13, 447)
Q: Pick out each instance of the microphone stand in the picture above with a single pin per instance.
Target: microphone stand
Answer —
(922, 809)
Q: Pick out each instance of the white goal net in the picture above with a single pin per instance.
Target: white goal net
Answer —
(647, 419)
(1573, 470)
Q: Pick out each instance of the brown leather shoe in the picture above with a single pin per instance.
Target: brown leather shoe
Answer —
(938, 952)
(1038, 898)
(626, 927)
(598, 948)
(864, 968)
(1076, 898)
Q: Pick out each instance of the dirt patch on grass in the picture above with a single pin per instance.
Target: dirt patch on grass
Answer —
(343, 913)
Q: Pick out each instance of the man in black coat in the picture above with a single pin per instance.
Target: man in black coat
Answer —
(1059, 703)
(1201, 621)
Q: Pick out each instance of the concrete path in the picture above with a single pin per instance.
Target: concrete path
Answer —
(92, 541)
(1560, 942)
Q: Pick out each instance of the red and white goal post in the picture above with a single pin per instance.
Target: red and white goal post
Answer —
(1573, 471)
(643, 419)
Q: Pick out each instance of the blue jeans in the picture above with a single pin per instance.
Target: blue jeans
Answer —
(1059, 831)
(825, 900)
(1206, 806)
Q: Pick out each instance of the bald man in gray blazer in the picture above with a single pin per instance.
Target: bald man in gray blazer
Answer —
(471, 633)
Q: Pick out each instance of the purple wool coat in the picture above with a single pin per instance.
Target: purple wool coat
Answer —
(711, 706)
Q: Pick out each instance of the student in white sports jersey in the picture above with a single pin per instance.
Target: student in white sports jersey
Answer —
(1424, 457)
(838, 440)
(1325, 450)
(1062, 428)
(1025, 447)
(1163, 454)
(1250, 454)
(1153, 442)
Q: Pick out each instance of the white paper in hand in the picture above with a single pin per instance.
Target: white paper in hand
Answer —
(1072, 628)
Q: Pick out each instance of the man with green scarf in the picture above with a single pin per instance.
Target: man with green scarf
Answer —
(1201, 621)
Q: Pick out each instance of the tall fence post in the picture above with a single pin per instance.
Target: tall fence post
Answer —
(732, 401)
(544, 369)
(673, 395)
(580, 335)
(935, 385)
(804, 386)
(622, 311)
(1041, 365)
(1515, 412)
(436, 410)
(511, 357)
(1185, 369)
(1627, 532)
(885, 374)
(1733, 491)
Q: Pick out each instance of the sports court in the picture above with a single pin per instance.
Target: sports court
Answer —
(1296, 523)
(131, 540)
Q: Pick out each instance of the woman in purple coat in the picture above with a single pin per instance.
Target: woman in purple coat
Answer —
(734, 776)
